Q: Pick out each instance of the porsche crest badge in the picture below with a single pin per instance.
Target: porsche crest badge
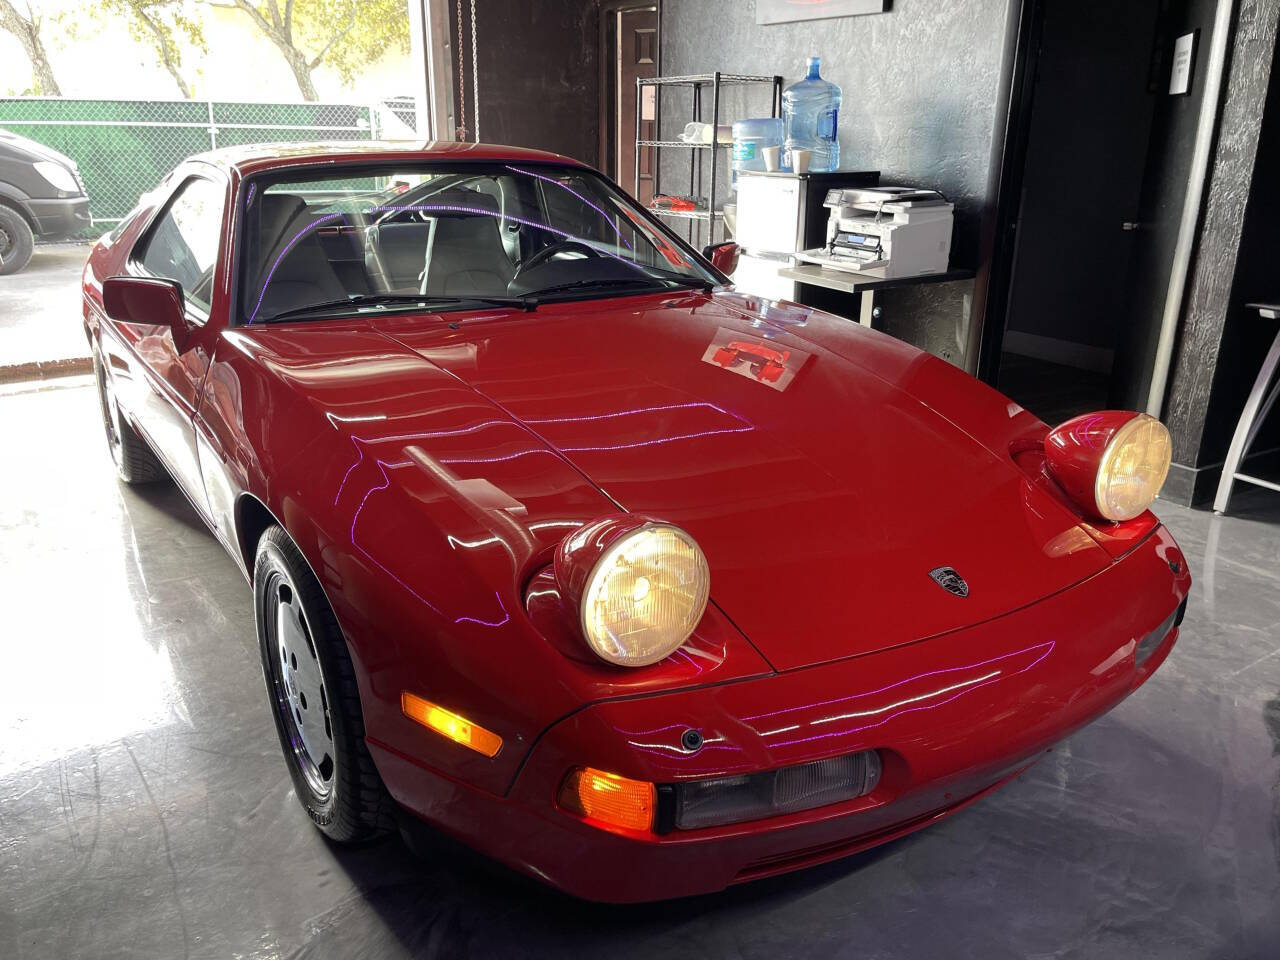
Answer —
(950, 581)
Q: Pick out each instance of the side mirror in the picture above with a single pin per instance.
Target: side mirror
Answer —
(723, 256)
(147, 300)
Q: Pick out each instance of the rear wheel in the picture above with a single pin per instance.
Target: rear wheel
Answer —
(314, 699)
(17, 243)
(135, 463)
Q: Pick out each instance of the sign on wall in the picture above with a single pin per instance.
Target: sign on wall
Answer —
(784, 11)
(1184, 62)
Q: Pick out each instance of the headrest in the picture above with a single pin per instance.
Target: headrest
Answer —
(275, 212)
(481, 203)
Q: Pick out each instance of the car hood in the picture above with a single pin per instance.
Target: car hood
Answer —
(824, 492)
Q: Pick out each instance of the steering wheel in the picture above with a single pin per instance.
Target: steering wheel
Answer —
(546, 253)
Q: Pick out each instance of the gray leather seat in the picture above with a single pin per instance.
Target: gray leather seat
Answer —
(467, 256)
(294, 269)
(396, 253)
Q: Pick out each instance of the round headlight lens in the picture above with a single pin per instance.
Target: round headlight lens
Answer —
(1133, 468)
(645, 595)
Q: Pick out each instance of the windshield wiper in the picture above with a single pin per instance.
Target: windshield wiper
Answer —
(697, 283)
(424, 300)
(619, 282)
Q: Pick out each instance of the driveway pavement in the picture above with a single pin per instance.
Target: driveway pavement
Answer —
(40, 315)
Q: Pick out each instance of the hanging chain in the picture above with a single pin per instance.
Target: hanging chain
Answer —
(462, 82)
(475, 71)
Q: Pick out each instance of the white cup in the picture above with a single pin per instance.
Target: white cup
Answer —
(770, 155)
(800, 161)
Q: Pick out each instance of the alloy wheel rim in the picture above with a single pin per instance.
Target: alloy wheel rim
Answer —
(6, 243)
(301, 698)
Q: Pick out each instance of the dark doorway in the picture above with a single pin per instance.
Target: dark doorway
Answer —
(628, 49)
(1095, 212)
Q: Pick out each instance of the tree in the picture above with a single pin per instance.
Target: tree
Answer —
(161, 23)
(344, 34)
(27, 30)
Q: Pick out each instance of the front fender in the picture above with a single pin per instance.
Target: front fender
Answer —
(424, 511)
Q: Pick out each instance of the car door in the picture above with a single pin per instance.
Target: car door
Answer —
(182, 243)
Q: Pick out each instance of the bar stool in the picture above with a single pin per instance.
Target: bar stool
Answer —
(1255, 413)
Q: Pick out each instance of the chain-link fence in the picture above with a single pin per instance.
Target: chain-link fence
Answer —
(124, 147)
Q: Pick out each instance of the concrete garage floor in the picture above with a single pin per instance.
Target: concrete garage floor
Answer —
(40, 311)
(145, 810)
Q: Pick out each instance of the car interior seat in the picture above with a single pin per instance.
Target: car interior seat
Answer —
(396, 254)
(294, 269)
(467, 255)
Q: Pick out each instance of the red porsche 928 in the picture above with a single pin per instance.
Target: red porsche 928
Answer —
(532, 561)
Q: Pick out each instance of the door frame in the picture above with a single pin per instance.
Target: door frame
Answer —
(609, 10)
(997, 243)
(998, 240)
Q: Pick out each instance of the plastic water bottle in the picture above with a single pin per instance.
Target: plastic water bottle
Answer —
(811, 114)
(750, 137)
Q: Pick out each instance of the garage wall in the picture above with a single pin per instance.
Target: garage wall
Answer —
(919, 85)
(538, 73)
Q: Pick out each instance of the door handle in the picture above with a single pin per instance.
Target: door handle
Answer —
(1129, 226)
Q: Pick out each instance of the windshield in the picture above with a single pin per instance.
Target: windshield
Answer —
(433, 236)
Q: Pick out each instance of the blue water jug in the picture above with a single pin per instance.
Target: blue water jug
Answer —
(811, 114)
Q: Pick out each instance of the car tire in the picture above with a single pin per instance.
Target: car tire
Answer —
(135, 463)
(314, 699)
(17, 242)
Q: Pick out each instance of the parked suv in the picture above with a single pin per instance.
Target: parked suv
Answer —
(41, 195)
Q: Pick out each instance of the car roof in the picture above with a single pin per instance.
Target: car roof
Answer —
(257, 158)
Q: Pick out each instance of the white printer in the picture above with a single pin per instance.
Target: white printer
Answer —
(898, 231)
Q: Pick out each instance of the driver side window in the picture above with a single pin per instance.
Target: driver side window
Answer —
(183, 245)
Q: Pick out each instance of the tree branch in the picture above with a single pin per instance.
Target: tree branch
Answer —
(336, 38)
(274, 10)
(250, 10)
(166, 50)
(27, 30)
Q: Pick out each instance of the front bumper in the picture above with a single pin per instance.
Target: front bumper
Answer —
(952, 716)
(60, 219)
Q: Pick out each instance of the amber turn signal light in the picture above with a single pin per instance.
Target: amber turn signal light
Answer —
(609, 799)
(449, 724)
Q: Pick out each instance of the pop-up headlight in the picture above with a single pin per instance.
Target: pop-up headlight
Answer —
(640, 587)
(1112, 463)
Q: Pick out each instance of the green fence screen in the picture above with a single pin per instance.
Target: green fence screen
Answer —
(124, 147)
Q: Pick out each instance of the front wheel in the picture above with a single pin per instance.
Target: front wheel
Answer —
(314, 699)
(17, 243)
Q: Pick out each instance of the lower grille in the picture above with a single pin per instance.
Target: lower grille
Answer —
(755, 796)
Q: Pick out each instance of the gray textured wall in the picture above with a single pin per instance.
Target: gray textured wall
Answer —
(1210, 305)
(919, 85)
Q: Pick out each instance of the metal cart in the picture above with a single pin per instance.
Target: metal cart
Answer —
(714, 211)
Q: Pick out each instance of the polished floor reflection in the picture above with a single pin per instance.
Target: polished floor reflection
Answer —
(145, 811)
